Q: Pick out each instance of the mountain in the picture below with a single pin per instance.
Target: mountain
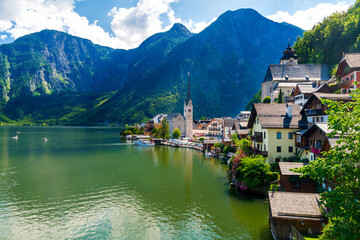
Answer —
(54, 78)
(336, 34)
(227, 63)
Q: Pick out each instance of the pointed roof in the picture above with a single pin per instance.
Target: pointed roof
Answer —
(289, 53)
(188, 93)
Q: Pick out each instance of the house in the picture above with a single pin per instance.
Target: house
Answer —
(273, 127)
(289, 73)
(176, 120)
(228, 130)
(290, 181)
(302, 92)
(241, 129)
(215, 127)
(244, 115)
(158, 120)
(315, 111)
(149, 126)
(290, 210)
(349, 71)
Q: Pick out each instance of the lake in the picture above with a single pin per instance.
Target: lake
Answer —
(85, 183)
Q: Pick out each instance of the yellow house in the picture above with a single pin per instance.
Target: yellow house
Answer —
(272, 129)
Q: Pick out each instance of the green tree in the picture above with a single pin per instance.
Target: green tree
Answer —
(341, 168)
(252, 171)
(176, 133)
(202, 118)
(164, 130)
(280, 97)
(243, 144)
(267, 99)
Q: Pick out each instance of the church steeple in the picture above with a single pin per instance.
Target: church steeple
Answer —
(188, 93)
(290, 57)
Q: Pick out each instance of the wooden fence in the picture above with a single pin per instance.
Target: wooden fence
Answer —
(294, 234)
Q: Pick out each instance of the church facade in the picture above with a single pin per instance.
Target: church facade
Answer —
(183, 123)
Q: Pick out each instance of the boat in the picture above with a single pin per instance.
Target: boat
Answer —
(209, 154)
(144, 143)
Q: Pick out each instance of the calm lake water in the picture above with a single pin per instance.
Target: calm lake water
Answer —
(85, 183)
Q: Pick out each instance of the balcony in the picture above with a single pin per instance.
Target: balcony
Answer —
(346, 84)
(257, 137)
(302, 145)
(258, 152)
(313, 112)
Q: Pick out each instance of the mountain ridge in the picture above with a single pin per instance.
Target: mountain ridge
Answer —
(127, 86)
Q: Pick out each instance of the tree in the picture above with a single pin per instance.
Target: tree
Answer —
(341, 168)
(164, 130)
(267, 99)
(280, 97)
(243, 144)
(202, 118)
(176, 133)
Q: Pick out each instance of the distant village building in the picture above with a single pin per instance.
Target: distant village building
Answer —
(349, 71)
(215, 127)
(244, 115)
(286, 75)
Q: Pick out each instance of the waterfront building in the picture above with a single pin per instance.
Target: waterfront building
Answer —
(289, 73)
(292, 213)
(215, 127)
(273, 127)
(244, 115)
(349, 72)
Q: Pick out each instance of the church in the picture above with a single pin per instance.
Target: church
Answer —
(289, 73)
(183, 123)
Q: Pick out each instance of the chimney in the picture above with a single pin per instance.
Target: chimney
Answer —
(289, 110)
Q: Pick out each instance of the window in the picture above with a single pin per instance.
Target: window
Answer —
(264, 147)
(278, 149)
(313, 119)
(298, 138)
(278, 135)
(264, 135)
(317, 119)
(291, 149)
(322, 119)
(318, 143)
(290, 135)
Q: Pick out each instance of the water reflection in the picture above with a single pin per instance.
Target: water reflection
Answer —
(85, 183)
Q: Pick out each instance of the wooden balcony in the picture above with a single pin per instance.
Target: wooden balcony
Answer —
(302, 145)
(258, 152)
(313, 112)
(346, 84)
(257, 137)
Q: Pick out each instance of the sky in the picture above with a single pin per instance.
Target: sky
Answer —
(126, 24)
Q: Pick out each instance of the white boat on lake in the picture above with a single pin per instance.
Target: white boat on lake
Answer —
(144, 143)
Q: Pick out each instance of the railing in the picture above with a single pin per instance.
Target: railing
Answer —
(258, 152)
(310, 112)
(302, 145)
(257, 137)
(345, 83)
(294, 234)
(214, 129)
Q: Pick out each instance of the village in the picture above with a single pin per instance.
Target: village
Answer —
(289, 129)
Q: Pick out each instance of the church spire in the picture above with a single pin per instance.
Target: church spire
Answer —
(188, 94)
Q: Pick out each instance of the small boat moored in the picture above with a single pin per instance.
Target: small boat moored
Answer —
(144, 143)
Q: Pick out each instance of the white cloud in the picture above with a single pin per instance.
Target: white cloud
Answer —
(3, 37)
(306, 19)
(133, 25)
(130, 26)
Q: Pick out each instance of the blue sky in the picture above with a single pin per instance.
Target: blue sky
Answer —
(126, 23)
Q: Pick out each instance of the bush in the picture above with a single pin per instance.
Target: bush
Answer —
(176, 133)
(228, 149)
(271, 176)
(267, 99)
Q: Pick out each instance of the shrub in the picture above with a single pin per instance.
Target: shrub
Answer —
(176, 133)
(267, 99)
